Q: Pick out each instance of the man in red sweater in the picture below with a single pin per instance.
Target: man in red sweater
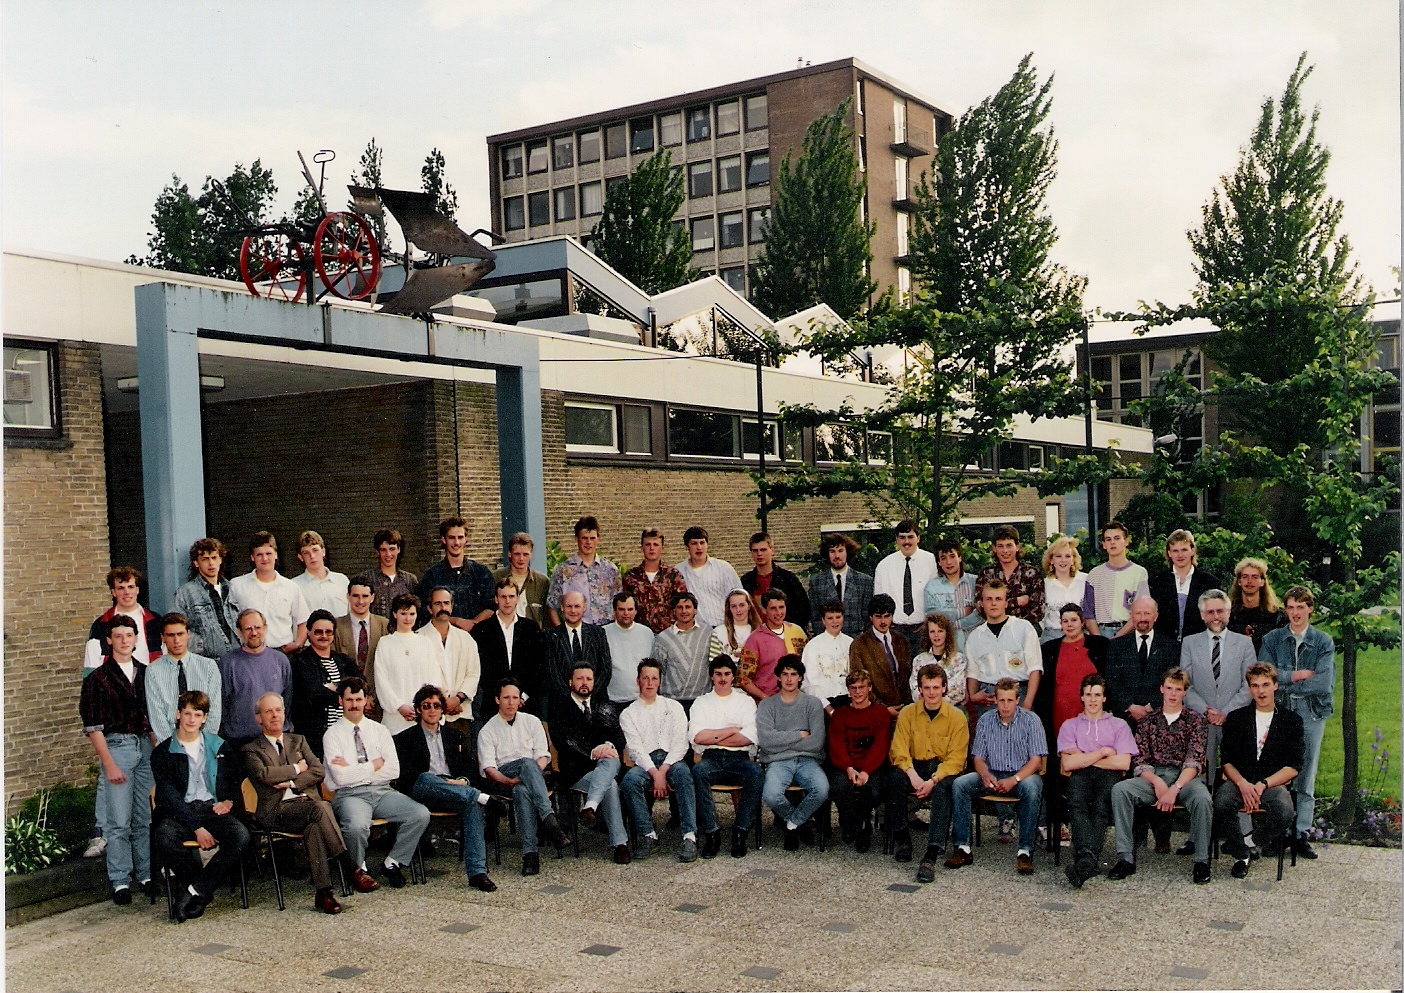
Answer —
(859, 735)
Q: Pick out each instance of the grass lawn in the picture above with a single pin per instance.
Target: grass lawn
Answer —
(1377, 697)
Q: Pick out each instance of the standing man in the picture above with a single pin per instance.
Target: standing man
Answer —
(124, 582)
(722, 729)
(114, 719)
(1009, 748)
(1262, 752)
(708, 579)
(204, 600)
(587, 747)
(1115, 584)
(1217, 661)
(1135, 663)
(903, 576)
(321, 588)
(457, 655)
(573, 642)
(1095, 750)
(1254, 605)
(952, 590)
(387, 580)
(1305, 657)
(655, 734)
(434, 770)
(1023, 581)
(767, 644)
(682, 649)
(362, 766)
(591, 575)
(358, 635)
(1170, 767)
(653, 584)
(629, 644)
(790, 733)
(1004, 647)
(246, 674)
(510, 645)
(835, 580)
(929, 748)
(859, 737)
(767, 575)
(275, 597)
(1176, 591)
(196, 791)
(317, 671)
(532, 586)
(173, 674)
(513, 755)
(883, 656)
(469, 583)
(286, 774)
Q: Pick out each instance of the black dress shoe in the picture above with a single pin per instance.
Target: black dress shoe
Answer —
(531, 863)
(188, 906)
(1303, 848)
(792, 840)
(395, 876)
(152, 889)
(1201, 873)
(1253, 853)
(482, 882)
(1122, 869)
(711, 844)
(1074, 875)
(1186, 849)
(863, 838)
(1240, 868)
(738, 843)
(806, 833)
(122, 897)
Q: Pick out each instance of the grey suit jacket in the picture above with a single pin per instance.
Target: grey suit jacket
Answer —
(857, 591)
(265, 767)
(1235, 656)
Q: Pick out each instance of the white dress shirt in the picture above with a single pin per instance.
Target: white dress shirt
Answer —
(890, 575)
(340, 742)
(650, 726)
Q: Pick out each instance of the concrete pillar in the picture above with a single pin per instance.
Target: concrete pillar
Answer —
(520, 477)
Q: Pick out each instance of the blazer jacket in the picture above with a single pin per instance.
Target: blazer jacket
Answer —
(857, 591)
(265, 768)
(1235, 656)
(413, 750)
(1043, 700)
(1283, 748)
(1128, 681)
(534, 589)
(171, 772)
(1167, 601)
(575, 737)
(797, 606)
(344, 641)
(528, 664)
(310, 697)
(594, 649)
(866, 654)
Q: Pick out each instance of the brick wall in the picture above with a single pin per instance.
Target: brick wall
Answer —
(55, 542)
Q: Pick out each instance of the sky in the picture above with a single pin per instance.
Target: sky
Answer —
(102, 102)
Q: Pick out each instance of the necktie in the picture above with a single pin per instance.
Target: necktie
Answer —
(586, 707)
(838, 587)
(908, 607)
(1144, 651)
(279, 745)
(361, 755)
(181, 685)
(891, 659)
(1214, 658)
(575, 652)
(362, 646)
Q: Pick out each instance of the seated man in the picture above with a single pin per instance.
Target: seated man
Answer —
(655, 734)
(722, 729)
(1262, 751)
(434, 770)
(790, 733)
(286, 774)
(929, 748)
(1170, 767)
(1096, 750)
(859, 736)
(1009, 748)
(587, 747)
(361, 766)
(513, 752)
(196, 791)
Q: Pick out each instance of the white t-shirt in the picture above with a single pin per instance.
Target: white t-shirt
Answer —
(280, 602)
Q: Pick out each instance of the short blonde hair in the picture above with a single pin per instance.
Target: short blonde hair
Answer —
(309, 538)
(1181, 535)
(1057, 545)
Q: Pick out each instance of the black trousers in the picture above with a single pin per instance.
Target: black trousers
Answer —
(228, 831)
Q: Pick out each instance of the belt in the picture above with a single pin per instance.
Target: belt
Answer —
(907, 627)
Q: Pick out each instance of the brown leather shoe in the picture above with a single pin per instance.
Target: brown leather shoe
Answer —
(363, 881)
(1024, 864)
(621, 855)
(326, 903)
(959, 857)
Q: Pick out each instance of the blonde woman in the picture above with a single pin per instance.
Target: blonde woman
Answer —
(1064, 582)
(730, 636)
(938, 646)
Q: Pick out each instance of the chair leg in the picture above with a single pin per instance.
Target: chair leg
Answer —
(166, 875)
(273, 861)
(244, 883)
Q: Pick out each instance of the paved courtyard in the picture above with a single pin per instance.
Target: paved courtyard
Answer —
(771, 921)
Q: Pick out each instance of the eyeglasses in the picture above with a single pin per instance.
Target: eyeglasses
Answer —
(431, 705)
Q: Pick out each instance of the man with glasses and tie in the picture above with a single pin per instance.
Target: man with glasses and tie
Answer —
(902, 576)
(359, 632)
(884, 656)
(362, 767)
(175, 673)
(1216, 660)
(571, 643)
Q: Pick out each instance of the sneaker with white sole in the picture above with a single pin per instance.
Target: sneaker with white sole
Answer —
(95, 847)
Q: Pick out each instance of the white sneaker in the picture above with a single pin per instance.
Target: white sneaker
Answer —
(95, 847)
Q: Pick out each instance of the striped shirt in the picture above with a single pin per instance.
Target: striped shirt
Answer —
(955, 600)
(1008, 747)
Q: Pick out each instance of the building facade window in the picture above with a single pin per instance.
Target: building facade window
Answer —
(511, 161)
(699, 124)
(758, 168)
(704, 237)
(591, 199)
(703, 434)
(670, 131)
(641, 135)
(838, 443)
(733, 230)
(904, 284)
(903, 232)
(758, 219)
(588, 144)
(537, 158)
(565, 204)
(563, 152)
(31, 392)
(757, 113)
(729, 174)
(591, 427)
(879, 447)
(903, 171)
(638, 429)
(538, 208)
(699, 179)
(728, 118)
(616, 141)
(735, 277)
(899, 119)
(513, 213)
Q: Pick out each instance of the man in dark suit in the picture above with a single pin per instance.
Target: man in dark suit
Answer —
(208, 815)
(1176, 591)
(509, 645)
(357, 634)
(883, 654)
(435, 766)
(589, 744)
(836, 581)
(286, 774)
(1136, 661)
(1262, 751)
(768, 576)
(572, 643)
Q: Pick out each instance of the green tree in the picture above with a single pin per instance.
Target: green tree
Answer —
(369, 173)
(200, 235)
(431, 177)
(987, 331)
(817, 245)
(636, 234)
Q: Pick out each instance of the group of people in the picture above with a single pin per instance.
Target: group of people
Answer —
(388, 696)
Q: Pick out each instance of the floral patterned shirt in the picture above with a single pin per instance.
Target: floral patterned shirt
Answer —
(654, 599)
(598, 581)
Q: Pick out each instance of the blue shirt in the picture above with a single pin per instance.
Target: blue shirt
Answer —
(1008, 747)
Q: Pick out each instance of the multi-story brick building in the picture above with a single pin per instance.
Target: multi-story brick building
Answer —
(551, 179)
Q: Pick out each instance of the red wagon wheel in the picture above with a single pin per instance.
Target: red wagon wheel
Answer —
(271, 264)
(346, 256)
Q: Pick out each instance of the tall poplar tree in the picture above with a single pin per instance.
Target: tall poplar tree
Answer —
(636, 234)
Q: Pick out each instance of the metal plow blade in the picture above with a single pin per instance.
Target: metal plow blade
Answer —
(426, 288)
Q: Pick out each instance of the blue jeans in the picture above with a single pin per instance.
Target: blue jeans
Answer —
(1312, 732)
(357, 806)
(436, 794)
(801, 771)
(529, 798)
(602, 792)
(966, 787)
(730, 767)
(125, 809)
(637, 787)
